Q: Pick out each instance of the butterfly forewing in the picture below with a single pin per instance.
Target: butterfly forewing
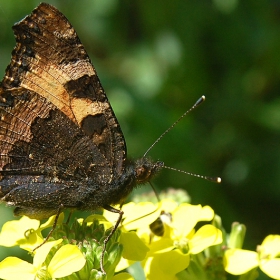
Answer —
(58, 132)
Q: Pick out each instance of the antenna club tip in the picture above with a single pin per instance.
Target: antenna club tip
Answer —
(199, 101)
(213, 179)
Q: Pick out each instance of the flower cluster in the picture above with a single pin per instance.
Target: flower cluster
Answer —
(163, 240)
(27, 234)
(73, 252)
(171, 253)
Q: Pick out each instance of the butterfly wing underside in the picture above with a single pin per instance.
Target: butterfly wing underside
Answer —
(57, 127)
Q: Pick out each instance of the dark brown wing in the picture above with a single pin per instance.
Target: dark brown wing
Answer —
(55, 119)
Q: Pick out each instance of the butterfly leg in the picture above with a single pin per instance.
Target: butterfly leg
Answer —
(111, 209)
(59, 210)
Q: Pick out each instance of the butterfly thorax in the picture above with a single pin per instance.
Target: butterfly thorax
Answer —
(134, 174)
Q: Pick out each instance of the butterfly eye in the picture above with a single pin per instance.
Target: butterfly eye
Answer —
(143, 173)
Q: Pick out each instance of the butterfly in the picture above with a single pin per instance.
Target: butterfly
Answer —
(60, 141)
(61, 146)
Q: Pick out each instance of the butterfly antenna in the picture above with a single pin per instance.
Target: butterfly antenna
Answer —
(197, 103)
(211, 179)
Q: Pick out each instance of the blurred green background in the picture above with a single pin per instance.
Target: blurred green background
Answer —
(155, 59)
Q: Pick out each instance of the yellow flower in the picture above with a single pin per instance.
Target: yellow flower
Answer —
(66, 260)
(25, 232)
(84, 239)
(169, 254)
(267, 257)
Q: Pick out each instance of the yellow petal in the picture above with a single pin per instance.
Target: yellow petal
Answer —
(33, 240)
(166, 265)
(207, 213)
(140, 214)
(173, 262)
(271, 246)
(13, 232)
(152, 271)
(42, 252)
(67, 259)
(110, 216)
(50, 221)
(145, 234)
(123, 276)
(271, 268)
(89, 220)
(161, 245)
(133, 247)
(185, 217)
(205, 237)
(13, 268)
(168, 205)
(238, 261)
(123, 264)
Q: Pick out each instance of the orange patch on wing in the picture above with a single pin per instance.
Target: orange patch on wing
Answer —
(48, 81)
(82, 107)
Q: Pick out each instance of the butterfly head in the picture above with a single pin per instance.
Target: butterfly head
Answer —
(145, 169)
